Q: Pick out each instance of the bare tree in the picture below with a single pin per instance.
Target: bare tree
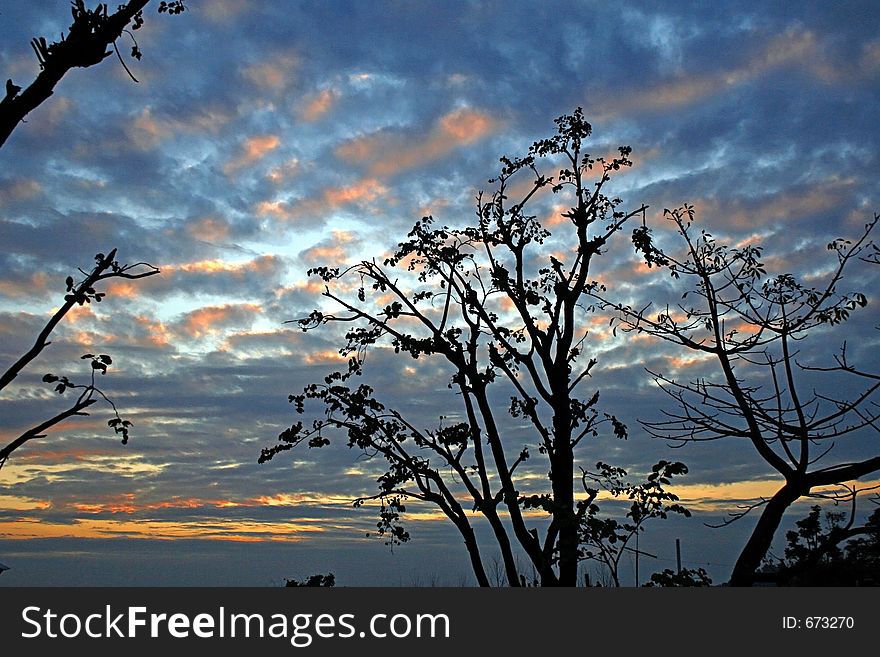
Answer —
(88, 42)
(506, 318)
(792, 410)
(78, 293)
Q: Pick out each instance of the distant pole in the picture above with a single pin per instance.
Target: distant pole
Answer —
(637, 558)
(678, 554)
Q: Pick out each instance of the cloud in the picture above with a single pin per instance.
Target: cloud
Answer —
(16, 190)
(363, 194)
(362, 191)
(156, 333)
(275, 73)
(147, 133)
(150, 128)
(798, 203)
(223, 11)
(385, 154)
(284, 171)
(208, 528)
(212, 319)
(794, 47)
(333, 251)
(279, 343)
(208, 229)
(217, 277)
(38, 283)
(253, 149)
(318, 106)
(53, 115)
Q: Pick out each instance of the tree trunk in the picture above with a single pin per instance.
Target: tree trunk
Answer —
(762, 535)
(503, 540)
(564, 516)
(562, 478)
(473, 549)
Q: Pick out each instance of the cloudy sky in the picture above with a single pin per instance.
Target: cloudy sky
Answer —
(265, 138)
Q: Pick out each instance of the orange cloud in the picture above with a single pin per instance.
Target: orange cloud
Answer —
(713, 497)
(122, 290)
(386, 155)
(465, 126)
(211, 319)
(262, 265)
(18, 503)
(312, 286)
(327, 356)
(159, 335)
(128, 504)
(333, 253)
(211, 528)
(360, 193)
(677, 363)
(37, 284)
(276, 209)
(793, 47)
(80, 313)
(554, 217)
(319, 105)
(148, 132)
(782, 207)
(273, 74)
(252, 151)
(208, 229)
(334, 250)
(365, 190)
(19, 189)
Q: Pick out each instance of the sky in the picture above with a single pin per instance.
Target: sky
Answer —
(262, 139)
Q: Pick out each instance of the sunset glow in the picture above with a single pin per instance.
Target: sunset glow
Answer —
(264, 140)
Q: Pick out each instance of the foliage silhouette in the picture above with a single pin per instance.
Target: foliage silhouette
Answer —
(87, 43)
(473, 299)
(749, 325)
(827, 549)
(681, 578)
(313, 581)
(77, 294)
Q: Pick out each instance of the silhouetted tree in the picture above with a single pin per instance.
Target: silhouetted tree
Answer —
(606, 539)
(88, 42)
(750, 324)
(827, 549)
(683, 577)
(506, 318)
(313, 581)
(78, 293)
